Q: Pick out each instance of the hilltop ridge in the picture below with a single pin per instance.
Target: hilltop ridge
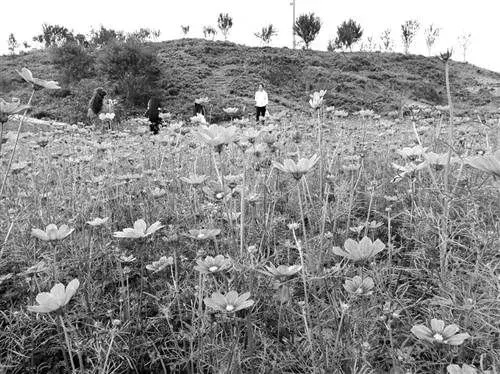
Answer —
(228, 74)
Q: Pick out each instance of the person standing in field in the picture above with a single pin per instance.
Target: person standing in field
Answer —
(261, 101)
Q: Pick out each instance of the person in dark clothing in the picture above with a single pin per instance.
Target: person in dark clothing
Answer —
(153, 115)
(96, 104)
(199, 108)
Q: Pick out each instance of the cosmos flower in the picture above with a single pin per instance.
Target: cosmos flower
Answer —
(36, 82)
(52, 232)
(106, 116)
(366, 113)
(359, 286)
(230, 110)
(202, 100)
(203, 234)
(230, 302)
(212, 265)
(250, 134)
(439, 333)
(282, 272)
(412, 153)
(7, 109)
(438, 160)
(407, 169)
(299, 169)
(364, 250)
(58, 297)
(140, 230)
(194, 179)
(161, 264)
(198, 119)
(341, 113)
(489, 163)
(465, 369)
(98, 221)
(317, 99)
(158, 192)
(216, 192)
(217, 136)
(127, 259)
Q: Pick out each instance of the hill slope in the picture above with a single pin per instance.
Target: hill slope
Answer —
(229, 73)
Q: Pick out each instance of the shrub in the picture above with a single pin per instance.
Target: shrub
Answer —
(209, 31)
(73, 61)
(348, 33)
(144, 35)
(408, 31)
(266, 34)
(53, 35)
(12, 43)
(133, 67)
(225, 22)
(103, 36)
(307, 28)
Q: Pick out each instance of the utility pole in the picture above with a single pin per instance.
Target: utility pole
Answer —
(293, 24)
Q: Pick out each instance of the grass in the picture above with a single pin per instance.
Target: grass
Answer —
(125, 318)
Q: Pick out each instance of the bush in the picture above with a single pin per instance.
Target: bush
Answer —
(133, 67)
(73, 60)
(307, 28)
(348, 33)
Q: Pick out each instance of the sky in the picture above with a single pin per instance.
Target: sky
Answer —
(454, 17)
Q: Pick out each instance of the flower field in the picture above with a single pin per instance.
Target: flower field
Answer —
(331, 242)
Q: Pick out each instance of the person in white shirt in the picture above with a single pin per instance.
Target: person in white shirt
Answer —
(261, 101)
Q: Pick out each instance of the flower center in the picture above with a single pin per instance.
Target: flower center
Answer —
(213, 269)
(230, 308)
(438, 337)
(219, 196)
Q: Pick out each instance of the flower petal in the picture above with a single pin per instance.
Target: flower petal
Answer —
(71, 289)
(40, 234)
(437, 325)
(457, 339)
(422, 332)
(450, 330)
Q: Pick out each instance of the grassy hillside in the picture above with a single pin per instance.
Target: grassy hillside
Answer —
(228, 73)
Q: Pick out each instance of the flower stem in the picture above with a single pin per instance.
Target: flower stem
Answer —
(68, 345)
(21, 121)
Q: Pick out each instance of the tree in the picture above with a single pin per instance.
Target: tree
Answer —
(224, 22)
(332, 46)
(209, 31)
(53, 35)
(431, 34)
(348, 33)
(12, 43)
(82, 41)
(73, 60)
(144, 35)
(132, 66)
(99, 38)
(369, 45)
(266, 34)
(307, 27)
(464, 42)
(408, 31)
(386, 39)
(185, 29)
